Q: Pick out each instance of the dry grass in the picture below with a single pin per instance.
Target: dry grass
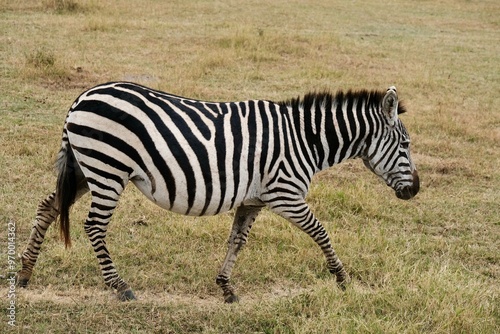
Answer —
(428, 265)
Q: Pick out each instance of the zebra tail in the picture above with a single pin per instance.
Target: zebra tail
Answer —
(67, 182)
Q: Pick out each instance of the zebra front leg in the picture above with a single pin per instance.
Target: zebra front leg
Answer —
(243, 220)
(96, 227)
(45, 215)
(300, 215)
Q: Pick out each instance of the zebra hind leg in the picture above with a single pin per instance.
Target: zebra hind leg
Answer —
(100, 213)
(46, 214)
(298, 213)
(243, 220)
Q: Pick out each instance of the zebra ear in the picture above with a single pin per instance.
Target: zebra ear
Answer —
(390, 105)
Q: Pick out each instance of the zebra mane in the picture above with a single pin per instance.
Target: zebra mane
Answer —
(369, 98)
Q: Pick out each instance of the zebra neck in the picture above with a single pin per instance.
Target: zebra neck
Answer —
(346, 131)
(330, 132)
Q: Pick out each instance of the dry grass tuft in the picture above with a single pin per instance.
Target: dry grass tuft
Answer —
(68, 6)
(61, 6)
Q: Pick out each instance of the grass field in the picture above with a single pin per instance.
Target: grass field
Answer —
(429, 265)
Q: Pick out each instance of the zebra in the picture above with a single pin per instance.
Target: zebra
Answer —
(201, 158)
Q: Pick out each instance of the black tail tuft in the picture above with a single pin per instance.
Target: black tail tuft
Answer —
(67, 183)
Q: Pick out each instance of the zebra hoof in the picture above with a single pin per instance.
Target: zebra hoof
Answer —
(230, 299)
(23, 283)
(343, 280)
(126, 295)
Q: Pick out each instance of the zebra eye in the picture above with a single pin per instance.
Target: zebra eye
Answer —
(405, 145)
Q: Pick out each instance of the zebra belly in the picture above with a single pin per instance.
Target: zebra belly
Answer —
(199, 205)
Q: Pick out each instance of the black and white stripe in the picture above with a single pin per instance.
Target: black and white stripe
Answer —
(202, 158)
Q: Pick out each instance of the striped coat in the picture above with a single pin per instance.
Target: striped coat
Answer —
(201, 158)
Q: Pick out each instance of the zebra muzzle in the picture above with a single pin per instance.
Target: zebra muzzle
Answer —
(410, 191)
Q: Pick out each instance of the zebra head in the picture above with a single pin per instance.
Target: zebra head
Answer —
(388, 153)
